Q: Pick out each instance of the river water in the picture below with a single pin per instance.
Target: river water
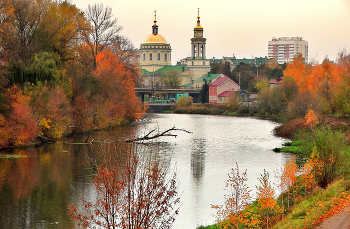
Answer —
(36, 189)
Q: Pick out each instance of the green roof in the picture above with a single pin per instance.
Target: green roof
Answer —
(164, 69)
(214, 61)
(144, 71)
(170, 67)
(247, 61)
(187, 85)
(209, 77)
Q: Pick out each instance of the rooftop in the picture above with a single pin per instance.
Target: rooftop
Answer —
(219, 81)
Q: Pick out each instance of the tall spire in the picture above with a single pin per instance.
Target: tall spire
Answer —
(155, 27)
(155, 17)
(198, 21)
(198, 41)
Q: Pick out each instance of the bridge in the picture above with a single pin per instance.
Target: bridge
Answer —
(193, 92)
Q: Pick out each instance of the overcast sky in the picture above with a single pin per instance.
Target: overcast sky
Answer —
(240, 27)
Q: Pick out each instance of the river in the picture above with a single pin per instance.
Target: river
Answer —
(36, 189)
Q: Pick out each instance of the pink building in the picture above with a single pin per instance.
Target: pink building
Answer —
(276, 83)
(221, 88)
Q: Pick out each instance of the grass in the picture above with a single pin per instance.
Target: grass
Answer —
(291, 147)
(308, 212)
(11, 156)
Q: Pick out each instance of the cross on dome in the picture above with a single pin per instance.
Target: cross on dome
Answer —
(155, 16)
(198, 21)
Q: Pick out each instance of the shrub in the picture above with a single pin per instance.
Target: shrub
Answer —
(184, 101)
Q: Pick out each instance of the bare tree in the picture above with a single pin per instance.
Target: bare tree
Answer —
(238, 198)
(104, 29)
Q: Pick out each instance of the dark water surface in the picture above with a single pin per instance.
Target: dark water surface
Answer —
(35, 190)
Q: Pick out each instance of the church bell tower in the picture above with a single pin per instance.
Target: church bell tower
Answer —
(198, 41)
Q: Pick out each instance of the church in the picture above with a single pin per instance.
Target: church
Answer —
(155, 58)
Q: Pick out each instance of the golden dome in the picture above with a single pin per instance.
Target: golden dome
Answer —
(198, 27)
(155, 38)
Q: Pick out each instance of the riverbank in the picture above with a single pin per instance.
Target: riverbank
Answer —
(327, 138)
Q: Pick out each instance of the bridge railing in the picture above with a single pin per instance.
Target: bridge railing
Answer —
(167, 87)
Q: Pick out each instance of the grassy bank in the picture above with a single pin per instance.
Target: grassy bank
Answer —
(327, 144)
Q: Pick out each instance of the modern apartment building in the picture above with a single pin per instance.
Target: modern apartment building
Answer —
(284, 49)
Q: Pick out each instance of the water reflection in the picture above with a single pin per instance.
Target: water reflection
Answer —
(198, 158)
(35, 190)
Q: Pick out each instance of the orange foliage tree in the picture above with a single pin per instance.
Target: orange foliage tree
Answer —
(118, 85)
(139, 195)
(312, 169)
(287, 176)
(109, 97)
(322, 80)
(266, 201)
(311, 119)
(237, 200)
(20, 127)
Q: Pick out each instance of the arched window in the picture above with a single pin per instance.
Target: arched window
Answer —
(195, 33)
(158, 56)
(144, 57)
(165, 57)
(150, 56)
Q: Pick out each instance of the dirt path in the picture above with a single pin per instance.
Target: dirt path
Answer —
(340, 221)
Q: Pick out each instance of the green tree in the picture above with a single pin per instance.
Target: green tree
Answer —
(171, 78)
(205, 93)
(330, 146)
(281, 96)
(216, 68)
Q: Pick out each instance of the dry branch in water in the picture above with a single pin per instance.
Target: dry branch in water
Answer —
(165, 133)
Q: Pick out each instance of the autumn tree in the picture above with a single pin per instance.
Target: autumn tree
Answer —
(52, 108)
(18, 42)
(238, 198)
(141, 194)
(19, 126)
(110, 99)
(184, 101)
(310, 170)
(266, 200)
(343, 92)
(286, 177)
(60, 30)
(330, 147)
(104, 29)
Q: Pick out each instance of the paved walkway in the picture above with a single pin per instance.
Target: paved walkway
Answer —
(340, 221)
